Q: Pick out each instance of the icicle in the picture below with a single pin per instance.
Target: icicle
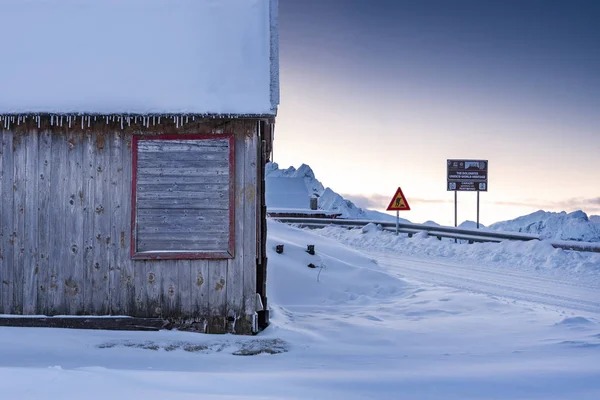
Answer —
(193, 118)
(177, 122)
(135, 119)
(61, 119)
(121, 118)
(69, 119)
(38, 121)
(19, 121)
(90, 121)
(148, 122)
(51, 120)
(128, 120)
(159, 119)
(82, 122)
(187, 119)
(154, 120)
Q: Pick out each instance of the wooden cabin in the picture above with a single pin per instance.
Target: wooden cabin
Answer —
(134, 136)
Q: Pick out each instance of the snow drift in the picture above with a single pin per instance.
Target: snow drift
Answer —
(554, 225)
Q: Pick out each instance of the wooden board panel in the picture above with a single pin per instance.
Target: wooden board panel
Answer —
(147, 168)
(117, 198)
(250, 224)
(188, 145)
(31, 265)
(171, 287)
(235, 267)
(89, 237)
(52, 288)
(44, 158)
(162, 191)
(217, 296)
(157, 179)
(188, 166)
(200, 287)
(100, 273)
(148, 284)
(73, 274)
(184, 289)
(20, 235)
(185, 187)
(159, 158)
(175, 216)
(173, 194)
(6, 221)
(178, 245)
(123, 222)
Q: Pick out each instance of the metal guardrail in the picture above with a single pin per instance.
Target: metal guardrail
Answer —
(471, 235)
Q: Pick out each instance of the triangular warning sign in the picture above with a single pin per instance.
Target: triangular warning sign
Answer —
(398, 202)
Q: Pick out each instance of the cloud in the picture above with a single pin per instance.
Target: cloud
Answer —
(368, 200)
(589, 205)
(379, 201)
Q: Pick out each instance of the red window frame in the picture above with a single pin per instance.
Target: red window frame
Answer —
(184, 255)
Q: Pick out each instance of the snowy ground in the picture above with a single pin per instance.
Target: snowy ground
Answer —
(394, 318)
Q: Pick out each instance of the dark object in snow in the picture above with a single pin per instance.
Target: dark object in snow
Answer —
(83, 322)
(311, 265)
(279, 248)
(310, 249)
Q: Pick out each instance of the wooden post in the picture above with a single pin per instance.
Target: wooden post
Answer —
(397, 221)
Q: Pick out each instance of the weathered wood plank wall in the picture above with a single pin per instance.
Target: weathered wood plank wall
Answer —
(65, 213)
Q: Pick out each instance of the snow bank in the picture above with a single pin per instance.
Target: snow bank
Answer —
(531, 255)
(138, 56)
(341, 276)
(554, 225)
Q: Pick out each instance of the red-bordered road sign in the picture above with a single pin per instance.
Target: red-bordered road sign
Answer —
(399, 202)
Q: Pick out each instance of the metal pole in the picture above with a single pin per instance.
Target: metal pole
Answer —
(397, 221)
(478, 209)
(455, 209)
(455, 212)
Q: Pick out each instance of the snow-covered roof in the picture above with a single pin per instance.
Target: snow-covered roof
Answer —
(286, 193)
(211, 57)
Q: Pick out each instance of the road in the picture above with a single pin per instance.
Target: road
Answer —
(511, 283)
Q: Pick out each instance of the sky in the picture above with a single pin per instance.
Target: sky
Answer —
(377, 94)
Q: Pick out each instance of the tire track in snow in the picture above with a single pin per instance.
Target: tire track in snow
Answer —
(513, 285)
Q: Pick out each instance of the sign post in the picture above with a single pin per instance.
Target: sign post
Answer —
(469, 176)
(398, 203)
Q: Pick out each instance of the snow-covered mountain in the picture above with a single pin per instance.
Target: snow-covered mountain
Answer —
(549, 225)
(328, 199)
(555, 225)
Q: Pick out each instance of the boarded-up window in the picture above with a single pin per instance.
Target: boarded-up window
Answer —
(183, 197)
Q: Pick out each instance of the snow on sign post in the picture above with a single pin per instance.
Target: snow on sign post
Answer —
(398, 203)
(467, 175)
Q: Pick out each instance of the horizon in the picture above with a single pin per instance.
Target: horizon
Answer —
(373, 98)
(460, 222)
